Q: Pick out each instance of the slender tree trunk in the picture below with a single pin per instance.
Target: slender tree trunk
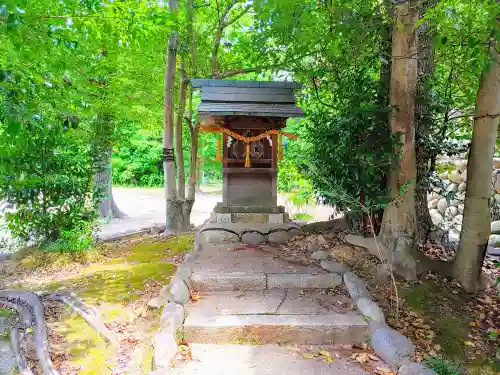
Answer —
(181, 105)
(193, 161)
(104, 179)
(174, 207)
(193, 157)
(426, 37)
(397, 234)
(476, 223)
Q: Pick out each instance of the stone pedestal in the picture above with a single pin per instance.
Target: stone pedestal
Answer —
(249, 214)
(249, 224)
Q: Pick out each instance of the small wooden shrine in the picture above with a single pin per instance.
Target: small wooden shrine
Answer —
(249, 117)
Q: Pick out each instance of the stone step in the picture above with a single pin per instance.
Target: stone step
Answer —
(208, 281)
(332, 328)
(274, 316)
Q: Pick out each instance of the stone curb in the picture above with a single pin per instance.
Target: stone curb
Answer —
(221, 235)
(391, 346)
(173, 296)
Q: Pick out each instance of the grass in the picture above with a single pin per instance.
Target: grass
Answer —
(112, 277)
(443, 366)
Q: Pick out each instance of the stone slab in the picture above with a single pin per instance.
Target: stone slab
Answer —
(220, 208)
(311, 302)
(207, 281)
(214, 359)
(230, 258)
(303, 281)
(331, 328)
(229, 303)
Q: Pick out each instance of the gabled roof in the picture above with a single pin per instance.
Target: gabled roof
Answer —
(247, 98)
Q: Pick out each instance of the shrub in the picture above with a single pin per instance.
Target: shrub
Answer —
(46, 171)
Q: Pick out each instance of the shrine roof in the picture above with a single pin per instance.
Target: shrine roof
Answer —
(247, 98)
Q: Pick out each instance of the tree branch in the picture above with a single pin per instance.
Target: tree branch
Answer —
(241, 14)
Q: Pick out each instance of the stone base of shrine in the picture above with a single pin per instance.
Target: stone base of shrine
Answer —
(249, 214)
(248, 224)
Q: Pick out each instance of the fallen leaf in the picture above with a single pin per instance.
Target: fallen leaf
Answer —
(308, 355)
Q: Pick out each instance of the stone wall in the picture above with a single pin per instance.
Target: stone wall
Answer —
(446, 201)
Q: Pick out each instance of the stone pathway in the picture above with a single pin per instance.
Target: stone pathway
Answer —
(249, 296)
(211, 359)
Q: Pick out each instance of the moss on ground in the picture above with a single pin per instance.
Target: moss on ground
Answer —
(111, 277)
(450, 322)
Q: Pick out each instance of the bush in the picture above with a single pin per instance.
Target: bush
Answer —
(46, 171)
(349, 149)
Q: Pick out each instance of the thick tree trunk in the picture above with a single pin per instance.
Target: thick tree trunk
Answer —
(397, 234)
(426, 36)
(174, 207)
(104, 180)
(476, 222)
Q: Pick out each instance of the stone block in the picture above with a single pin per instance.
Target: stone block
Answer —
(252, 238)
(276, 218)
(165, 348)
(494, 240)
(279, 237)
(223, 218)
(331, 328)
(172, 314)
(355, 286)
(304, 281)
(179, 291)
(220, 236)
(228, 281)
(414, 368)
(370, 310)
(334, 267)
(250, 218)
(391, 346)
(319, 255)
(495, 227)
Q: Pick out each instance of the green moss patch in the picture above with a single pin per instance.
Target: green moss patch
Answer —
(442, 308)
(112, 285)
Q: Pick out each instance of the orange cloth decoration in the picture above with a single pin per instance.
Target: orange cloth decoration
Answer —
(247, 140)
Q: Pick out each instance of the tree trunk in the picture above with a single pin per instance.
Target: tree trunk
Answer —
(397, 234)
(476, 222)
(174, 207)
(104, 180)
(181, 173)
(191, 194)
(423, 119)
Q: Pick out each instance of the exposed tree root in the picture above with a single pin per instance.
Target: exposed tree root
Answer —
(31, 313)
(40, 329)
(26, 319)
(15, 342)
(88, 313)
